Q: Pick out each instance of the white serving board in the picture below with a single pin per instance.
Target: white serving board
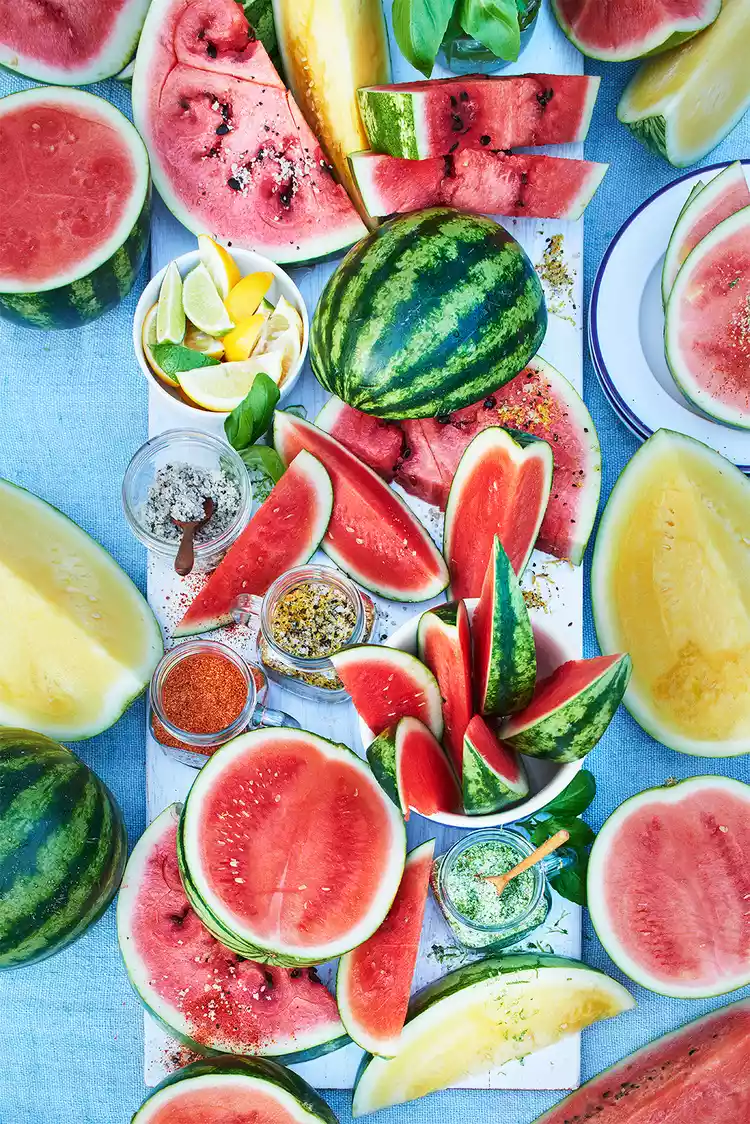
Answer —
(557, 1067)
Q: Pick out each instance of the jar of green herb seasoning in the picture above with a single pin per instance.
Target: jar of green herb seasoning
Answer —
(480, 917)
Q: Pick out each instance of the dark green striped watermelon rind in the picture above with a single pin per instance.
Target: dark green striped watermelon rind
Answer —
(426, 315)
(62, 847)
(484, 790)
(81, 301)
(510, 675)
(381, 757)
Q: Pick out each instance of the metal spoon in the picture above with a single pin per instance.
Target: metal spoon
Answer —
(185, 559)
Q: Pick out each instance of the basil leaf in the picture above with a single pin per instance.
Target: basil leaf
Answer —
(581, 835)
(250, 420)
(259, 15)
(571, 884)
(494, 23)
(419, 27)
(265, 468)
(575, 798)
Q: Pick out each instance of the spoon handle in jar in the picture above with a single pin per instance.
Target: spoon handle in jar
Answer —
(185, 559)
(500, 881)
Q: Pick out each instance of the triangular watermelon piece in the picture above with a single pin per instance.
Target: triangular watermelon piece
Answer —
(387, 684)
(444, 644)
(494, 776)
(411, 767)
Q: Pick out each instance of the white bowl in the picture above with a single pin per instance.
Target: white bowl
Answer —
(547, 779)
(247, 262)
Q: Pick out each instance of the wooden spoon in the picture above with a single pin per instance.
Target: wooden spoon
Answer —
(185, 559)
(500, 881)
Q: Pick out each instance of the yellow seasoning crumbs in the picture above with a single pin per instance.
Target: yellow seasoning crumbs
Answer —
(313, 621)
(534, 599)
(557, 278)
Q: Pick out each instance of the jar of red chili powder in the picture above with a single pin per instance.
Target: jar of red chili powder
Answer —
(203, 694)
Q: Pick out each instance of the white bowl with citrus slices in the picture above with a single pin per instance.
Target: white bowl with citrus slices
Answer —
(211, 320)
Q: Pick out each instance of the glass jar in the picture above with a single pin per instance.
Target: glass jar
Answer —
(194, 749)
(532, 899)
(462, 54)
(201, 450)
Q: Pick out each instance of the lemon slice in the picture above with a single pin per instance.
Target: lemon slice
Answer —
(197, 340)
(220, 264)
(170, 317)
(282, 333)
(223, 387)
(239, 343)
(265, 308)
(148, 340)
(247, 294)
(203, 305)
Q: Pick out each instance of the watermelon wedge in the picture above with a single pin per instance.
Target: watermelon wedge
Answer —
(494, 776)
(413, 770)
(386, 684)
(616, 32)
(284, 532)
(416, 120)
(500, 488)
(372, 535)
(375, 441)
(504, 652)
(570, 710)
(373, 981)
(444, 645)
(206, 996)
(486, 182)
(721, 197)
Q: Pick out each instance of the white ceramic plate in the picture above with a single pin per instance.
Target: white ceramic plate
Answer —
(626, 328)
(547, 779)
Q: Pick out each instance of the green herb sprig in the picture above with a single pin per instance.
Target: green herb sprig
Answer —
(421, 25)
(564, 812)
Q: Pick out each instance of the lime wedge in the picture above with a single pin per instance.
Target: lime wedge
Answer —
(220, 264)
(170, 317)
(148, 340)
(203, 305)
(222, 387)
(173, 357)
(201, 341)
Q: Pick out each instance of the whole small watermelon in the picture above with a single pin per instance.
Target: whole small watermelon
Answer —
(62, 847)
(429, 313)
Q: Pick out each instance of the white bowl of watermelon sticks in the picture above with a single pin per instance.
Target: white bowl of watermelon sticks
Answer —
(547, 779)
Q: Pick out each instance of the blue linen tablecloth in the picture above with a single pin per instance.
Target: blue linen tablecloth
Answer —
(72, 411)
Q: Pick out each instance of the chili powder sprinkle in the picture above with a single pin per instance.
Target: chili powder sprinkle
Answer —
(204, 693)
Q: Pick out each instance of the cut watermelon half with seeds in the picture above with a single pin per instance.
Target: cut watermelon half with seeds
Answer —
(411, 767)
(494, 776)
(386, 685)
(444, 645)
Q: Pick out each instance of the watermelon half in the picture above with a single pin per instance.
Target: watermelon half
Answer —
(617, 31)
(372, 534)
(707, 329)
(230, 151)
(289, 849)
(205, 995)
(494, 776)
(75, 202)
(411, 767)
(444, 646)
(373, 981)
(500, 488)
(386, 684)
(668, 887)
(284, 532)
(504, 652)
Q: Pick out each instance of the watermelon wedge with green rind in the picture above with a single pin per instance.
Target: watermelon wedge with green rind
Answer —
(373, 982)
(372, 535)
(206, 996)
(444, 646)
(283, 533)
(387, 684)
(618, 32)
(377, 442)
(494, 776)
(412, 768)
(305, 865)
(668, 887)
(570, 710)
(482, 1016)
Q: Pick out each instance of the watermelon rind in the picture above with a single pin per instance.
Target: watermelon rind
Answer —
(614, 944)
(107, 275)
(372, 655)
(485, 790)
(66, 838)
(295, 1047)
(505, 682)
(381, 757)
(227, 1074)
(237, 934)
(670, 267)
(429, 313)
(483, 1015)
(661, 37)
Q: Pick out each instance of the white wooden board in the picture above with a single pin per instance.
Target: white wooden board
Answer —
(561, 586)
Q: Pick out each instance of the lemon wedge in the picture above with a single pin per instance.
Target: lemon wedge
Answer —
(170, 317)
(222, 388)
(282, 334)
(239, 343)
(149, 340)
(247, 294)
(220, 264)
(203, 305)
(197, 340)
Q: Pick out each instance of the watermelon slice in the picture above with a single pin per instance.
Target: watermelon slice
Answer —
(374, 981)
(386, 684)
(486, 182)
(411, 767)
(305, 865)
(707, 334)
(669, 887)
(611, 30)
(206, 996)
(494, 776)
(284, 532)
(723, 196)
(372, 535)
(377, 442)
(416, 120)
(504, 653)
(570, 709)
(231, 154)
(444, 645)
(500, 488)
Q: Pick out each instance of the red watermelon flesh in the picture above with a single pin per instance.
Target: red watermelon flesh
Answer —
(611, 29)
(373, 983)
(387, 684)
(697, 1073)
(205, 994)
(219, 1101)
(444, 640)
(372, 535)
(284, 532)
(375, 441)
(520, 185)
(426, 783)
(231, 153)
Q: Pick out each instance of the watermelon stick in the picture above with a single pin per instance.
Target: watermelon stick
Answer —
(500, 881)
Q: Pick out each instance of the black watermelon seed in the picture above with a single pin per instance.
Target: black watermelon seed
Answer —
(454, 103)
(484, 140)
(234, 184)
(222, 130)
(464, 96)
(490, 403)
(453, 147)
(211, 50)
